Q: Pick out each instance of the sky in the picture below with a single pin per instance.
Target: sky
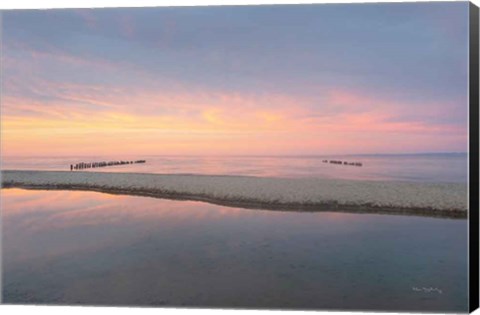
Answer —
(236, 80)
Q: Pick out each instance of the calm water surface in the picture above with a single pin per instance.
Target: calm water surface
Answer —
(66, 247)
(420, 167)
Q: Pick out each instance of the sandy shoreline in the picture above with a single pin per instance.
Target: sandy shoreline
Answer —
(305, 194)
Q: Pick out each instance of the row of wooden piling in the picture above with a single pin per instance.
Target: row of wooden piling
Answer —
(343, 162)
(83, 165)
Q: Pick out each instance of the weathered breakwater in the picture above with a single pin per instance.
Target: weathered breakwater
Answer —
(85, 165)
(343, 162)
(293, 194)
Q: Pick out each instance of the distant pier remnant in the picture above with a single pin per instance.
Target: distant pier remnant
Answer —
(83, 165)
(343, 162)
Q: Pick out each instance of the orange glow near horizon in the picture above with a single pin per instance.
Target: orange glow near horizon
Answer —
(203, 125)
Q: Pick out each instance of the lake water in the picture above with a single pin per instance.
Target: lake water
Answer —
(451, 167)
(70, 247)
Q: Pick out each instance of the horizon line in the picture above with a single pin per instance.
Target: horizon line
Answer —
(240, 155)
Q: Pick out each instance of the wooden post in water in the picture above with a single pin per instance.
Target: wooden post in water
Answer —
(85, 165)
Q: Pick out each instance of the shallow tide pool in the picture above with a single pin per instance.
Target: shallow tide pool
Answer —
(71, 247)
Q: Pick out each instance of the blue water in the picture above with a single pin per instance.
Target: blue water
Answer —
(446, 167)
(72, 247)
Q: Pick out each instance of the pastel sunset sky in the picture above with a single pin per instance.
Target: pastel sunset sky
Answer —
(287, 80)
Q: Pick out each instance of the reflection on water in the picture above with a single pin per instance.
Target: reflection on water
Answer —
(68, 247)
(424, 168)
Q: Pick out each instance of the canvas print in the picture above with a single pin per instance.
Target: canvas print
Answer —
(268, 156)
